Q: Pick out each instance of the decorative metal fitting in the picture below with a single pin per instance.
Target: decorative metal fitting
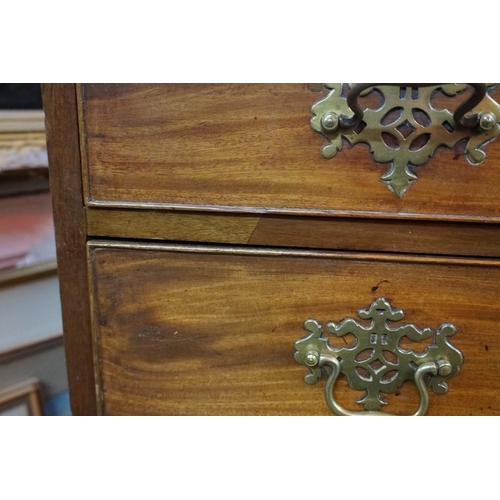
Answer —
(377, 363)
(311, 358)
(487, 121)
(406, 128)
(329, 122)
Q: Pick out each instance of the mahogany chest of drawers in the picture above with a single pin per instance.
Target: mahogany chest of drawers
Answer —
(218, 243)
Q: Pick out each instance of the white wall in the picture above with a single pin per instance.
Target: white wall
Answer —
(29, 311)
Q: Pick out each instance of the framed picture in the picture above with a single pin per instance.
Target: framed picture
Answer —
(23, 149)
(21, 400)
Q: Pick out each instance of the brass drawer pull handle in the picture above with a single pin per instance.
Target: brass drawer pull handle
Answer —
(404, 127)
(334, 364)
(458, 116)
(377, 363)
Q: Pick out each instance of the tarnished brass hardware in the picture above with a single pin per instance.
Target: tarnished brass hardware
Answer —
(330, 122)
(377, 363)
(458, 115)
(487, 121)
(407, 128)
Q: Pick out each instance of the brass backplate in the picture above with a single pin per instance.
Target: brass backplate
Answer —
(403, 126)
(377, 363)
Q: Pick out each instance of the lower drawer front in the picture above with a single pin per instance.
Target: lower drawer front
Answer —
(205, 330)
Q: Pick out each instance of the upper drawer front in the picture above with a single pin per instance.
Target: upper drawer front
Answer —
(204, 330)
(250, 147)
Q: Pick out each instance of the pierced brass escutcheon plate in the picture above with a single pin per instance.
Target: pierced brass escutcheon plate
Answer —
(377, 363)
(407, 127)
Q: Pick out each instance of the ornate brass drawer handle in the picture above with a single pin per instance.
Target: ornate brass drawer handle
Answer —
(377, 363)
(458, 115)
(407, 127)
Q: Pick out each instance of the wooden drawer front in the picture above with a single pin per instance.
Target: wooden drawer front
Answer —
(204, 330)
(251, 148)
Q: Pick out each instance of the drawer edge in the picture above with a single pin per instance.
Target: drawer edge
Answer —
(285, 252)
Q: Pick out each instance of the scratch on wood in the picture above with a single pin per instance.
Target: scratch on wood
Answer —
(257, 309)
(376, 287)
(167, 342)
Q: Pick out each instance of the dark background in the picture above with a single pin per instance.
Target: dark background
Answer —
(20, 96)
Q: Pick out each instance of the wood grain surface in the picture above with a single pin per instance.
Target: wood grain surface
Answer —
(249, 147)
(210, 331)
(171, 225)
(59, 102)
(339, 233)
